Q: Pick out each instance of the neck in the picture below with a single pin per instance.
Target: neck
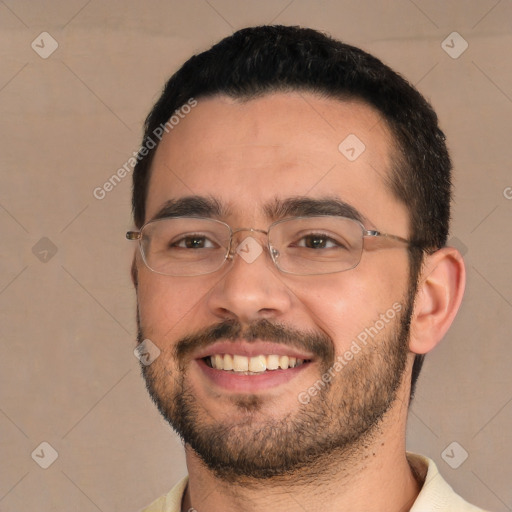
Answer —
(369, 477)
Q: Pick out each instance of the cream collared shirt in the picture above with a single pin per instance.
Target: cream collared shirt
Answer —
(435, 495)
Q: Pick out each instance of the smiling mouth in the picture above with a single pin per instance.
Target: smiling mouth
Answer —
(255, 365)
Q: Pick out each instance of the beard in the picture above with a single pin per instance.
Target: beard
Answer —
(336, 422)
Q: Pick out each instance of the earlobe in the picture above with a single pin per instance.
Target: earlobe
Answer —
(439, 295)
(134, 273)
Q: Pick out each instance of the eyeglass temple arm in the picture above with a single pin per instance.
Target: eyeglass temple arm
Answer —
(374, 233)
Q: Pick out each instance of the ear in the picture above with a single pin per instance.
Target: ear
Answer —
(135, 272)
(439, 294)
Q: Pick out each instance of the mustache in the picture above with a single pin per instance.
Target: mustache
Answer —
(319, 344)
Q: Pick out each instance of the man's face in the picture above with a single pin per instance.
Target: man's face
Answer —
(249, 157)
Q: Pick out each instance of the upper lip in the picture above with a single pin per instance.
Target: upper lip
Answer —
(251, 349)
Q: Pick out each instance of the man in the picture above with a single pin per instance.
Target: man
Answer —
(292, 200)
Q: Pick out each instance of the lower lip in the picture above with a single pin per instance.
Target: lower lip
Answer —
(232, 381)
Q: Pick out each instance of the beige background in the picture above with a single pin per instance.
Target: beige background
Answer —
(68, 122)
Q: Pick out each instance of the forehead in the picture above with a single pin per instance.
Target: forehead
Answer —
(247, 154)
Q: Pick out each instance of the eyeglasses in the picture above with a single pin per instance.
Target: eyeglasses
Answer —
(194, 246)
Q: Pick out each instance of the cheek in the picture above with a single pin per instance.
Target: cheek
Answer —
(169, 306)
(345, 304)
(338, 306)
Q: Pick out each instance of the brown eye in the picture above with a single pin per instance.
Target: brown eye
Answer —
(315, 242)
(318, 241)
(194, 242)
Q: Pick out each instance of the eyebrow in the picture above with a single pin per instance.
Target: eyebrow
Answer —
(310, 207)
(202, 206)
(191, 206)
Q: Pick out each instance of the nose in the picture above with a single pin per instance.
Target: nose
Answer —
(252, 287)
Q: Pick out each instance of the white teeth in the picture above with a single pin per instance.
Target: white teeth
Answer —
(272, 362)
(219, 361)
(255, 364)
(240, 363)
(228, 362)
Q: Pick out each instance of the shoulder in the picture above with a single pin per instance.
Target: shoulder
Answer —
(170, 502)
(436, 495)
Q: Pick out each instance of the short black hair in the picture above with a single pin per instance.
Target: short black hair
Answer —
(259, 60)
